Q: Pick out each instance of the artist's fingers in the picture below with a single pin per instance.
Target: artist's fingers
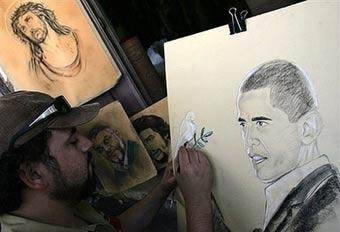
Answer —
(204, 160)
(169, 169)
(176, 164)
(198, 156)
(193, 154)
(183, 157)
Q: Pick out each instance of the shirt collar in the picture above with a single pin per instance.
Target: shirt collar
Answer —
(276, 192)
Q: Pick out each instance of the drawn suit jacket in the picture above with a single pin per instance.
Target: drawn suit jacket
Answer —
(311, 203)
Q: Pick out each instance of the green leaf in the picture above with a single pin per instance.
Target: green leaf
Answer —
(208, 134)
(200, 144)
(204, 140)
(202, 131)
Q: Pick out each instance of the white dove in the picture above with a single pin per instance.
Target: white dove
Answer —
(186, 133)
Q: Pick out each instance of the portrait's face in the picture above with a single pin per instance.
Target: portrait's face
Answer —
(108, 143)
(33, 27)
(155, 145)
(272, 143)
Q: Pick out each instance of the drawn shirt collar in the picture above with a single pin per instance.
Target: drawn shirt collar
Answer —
(276, 192)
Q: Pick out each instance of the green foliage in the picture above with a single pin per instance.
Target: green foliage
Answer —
(200, 142)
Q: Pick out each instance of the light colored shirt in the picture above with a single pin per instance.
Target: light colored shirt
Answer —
(276, 192)
(12, 223)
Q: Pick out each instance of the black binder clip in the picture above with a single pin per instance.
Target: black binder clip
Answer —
(238, 21)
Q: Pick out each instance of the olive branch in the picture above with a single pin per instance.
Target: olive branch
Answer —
(200, 142)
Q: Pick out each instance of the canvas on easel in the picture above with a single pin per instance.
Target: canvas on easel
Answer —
(270, 95)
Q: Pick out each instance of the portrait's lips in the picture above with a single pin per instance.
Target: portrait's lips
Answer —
(37, 33)
(156, 153)
(256, 158)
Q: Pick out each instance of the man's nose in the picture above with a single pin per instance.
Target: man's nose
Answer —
(251, 138)
(85, 143)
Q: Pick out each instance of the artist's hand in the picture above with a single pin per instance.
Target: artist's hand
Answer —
(168, 182)
(194, 176)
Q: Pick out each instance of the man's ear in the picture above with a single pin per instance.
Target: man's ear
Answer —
(311, 125)
(33, 174)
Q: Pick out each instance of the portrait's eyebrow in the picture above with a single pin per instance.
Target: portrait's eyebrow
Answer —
(261, 118)
(241, 120)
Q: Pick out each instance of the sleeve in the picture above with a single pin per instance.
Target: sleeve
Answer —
(115, 222)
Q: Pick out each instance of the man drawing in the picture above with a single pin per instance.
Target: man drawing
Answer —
(46, 173)
(54, 47)
(108, 143)
(155, 135)
(280, 123)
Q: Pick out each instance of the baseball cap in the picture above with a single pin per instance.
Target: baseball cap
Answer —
(24, 114)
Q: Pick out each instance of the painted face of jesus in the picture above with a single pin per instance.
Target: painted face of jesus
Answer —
(33, 27)
(272, 143)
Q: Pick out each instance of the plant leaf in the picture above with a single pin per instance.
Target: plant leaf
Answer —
(200, 144)
(208, 134)
(202, 131)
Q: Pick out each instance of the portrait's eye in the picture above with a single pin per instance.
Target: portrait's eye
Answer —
(23, 28)
(242, 124)
(107, 140)
(150, 138)
(28, 18)
(261, 123)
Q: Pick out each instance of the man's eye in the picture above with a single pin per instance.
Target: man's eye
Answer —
(242, 124)
(74, 142)
(261, 123)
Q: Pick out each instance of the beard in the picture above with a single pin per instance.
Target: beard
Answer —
(72, 192)
(39, 34)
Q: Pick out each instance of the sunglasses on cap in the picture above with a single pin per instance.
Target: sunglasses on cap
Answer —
(58, 107)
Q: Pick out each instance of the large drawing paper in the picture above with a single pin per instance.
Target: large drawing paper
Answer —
(204, 74)
(53, 47)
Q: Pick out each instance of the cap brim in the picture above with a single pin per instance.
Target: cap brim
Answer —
(76, 117)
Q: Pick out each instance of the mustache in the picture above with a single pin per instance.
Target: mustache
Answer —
(35, 30)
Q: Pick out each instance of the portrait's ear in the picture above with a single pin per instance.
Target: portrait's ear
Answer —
(312, 125)
(33, 174)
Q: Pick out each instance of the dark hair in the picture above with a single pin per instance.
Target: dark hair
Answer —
(11, 185)
(153, 122)
(96, 129)
(290, 89)
(44, 14)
